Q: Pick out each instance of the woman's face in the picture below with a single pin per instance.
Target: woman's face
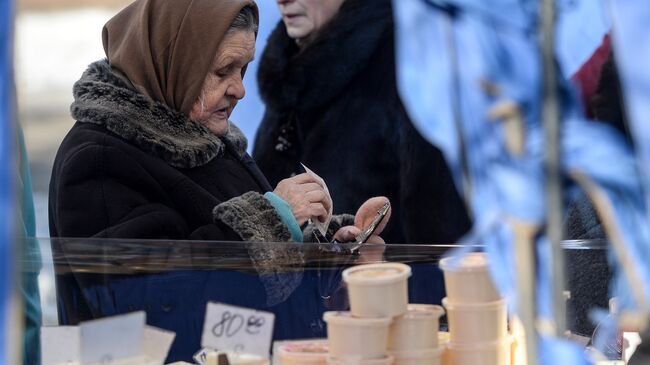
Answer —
(304, 17)
(223, 86)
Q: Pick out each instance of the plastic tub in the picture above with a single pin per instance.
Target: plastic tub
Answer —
(364, 338)
(308, 352)
(468, 280)
(423, 357)
(489, 353)
(417, 329)
(443, 342)
(473, 323)
(378, 290)
(388, 360)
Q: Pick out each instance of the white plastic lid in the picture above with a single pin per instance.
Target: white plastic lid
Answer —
(473, 306)
(307, 347)
(346, 318)
(423, 311)
(475, 261)
(388, 360)
(377, 274)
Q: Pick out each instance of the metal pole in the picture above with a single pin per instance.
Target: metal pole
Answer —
(525, 267)
(551, 119)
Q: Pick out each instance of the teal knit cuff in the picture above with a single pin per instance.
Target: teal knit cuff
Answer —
(284, 211)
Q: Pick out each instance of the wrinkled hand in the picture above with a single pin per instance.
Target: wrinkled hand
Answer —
(306, 196)
(365, 215)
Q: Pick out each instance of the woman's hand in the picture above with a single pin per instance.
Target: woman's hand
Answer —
(306, 196)
(365, 215)
(373, 250)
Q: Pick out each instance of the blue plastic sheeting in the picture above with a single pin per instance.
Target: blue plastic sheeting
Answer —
(567, 352)
(250, 110)
(446, 103)
(631, 37)
(7, 202)
(580, 30)
(457, 61)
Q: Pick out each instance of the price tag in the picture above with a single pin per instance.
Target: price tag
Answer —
(60, 345)
(631, 341)
(230, 328)
(108, 340)
(156, 343)
(201, 356)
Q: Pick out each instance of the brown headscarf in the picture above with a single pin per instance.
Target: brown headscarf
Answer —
(166, 47)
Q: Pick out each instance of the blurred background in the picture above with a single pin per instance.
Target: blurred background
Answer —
(55, 41)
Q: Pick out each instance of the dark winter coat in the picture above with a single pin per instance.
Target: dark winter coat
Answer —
(132, 167)
(334, 107)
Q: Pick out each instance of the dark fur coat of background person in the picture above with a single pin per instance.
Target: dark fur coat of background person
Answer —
(333, 105)
(588, 270)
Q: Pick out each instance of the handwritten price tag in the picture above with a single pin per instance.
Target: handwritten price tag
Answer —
(230, 328)
(60, 345)
(112, 339)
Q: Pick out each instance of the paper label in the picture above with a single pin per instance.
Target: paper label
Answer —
(202, 356)
(156, 343)
(60, 345)
(108, 340)
(238, 329)
(631, 340)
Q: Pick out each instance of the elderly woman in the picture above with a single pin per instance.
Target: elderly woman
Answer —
(153, 153)
(327, 77)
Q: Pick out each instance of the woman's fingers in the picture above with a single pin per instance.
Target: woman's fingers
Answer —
(306, 195)
(318, 210)
(368, 211)
(307, 187)
(347, 234)
(306, 178)
(319, 196)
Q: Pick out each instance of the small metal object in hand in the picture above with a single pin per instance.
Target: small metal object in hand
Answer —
(360, 239)
(368, 231)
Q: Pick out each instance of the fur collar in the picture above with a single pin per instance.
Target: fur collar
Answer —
(103, 98)
(308, 78)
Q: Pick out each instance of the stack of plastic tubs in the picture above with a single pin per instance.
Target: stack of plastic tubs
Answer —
(413, 336)
(476, 314)
(378, 293)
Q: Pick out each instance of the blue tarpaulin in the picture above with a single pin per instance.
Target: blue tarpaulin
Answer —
(458, 62)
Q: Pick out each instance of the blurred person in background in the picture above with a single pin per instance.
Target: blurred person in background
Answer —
(153, 154)
(327, 77)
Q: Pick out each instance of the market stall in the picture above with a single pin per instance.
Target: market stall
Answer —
(173, 281)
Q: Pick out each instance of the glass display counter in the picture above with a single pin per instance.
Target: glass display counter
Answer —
(173, 280)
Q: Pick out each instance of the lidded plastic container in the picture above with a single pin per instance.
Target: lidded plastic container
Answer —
(351, 337)
(417, 329)
(378, 290)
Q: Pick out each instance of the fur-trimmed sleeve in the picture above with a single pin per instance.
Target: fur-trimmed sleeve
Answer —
(253, 218)
(311, 234)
